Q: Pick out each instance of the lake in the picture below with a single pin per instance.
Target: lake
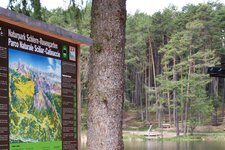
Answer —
(160, 145)
(165, 145)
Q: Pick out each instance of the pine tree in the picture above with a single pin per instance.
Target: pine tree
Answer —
(106, 75)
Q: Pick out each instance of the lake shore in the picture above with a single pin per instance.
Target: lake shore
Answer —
(136, 140)
(171, 136)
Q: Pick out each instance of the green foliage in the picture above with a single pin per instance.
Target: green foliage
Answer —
(137, 29)
(186, 42)
(25, 7)
(188, 53)
(128, 106)
(182, 43)
(36, 5)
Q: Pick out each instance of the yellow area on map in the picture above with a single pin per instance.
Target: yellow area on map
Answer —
(24, 89)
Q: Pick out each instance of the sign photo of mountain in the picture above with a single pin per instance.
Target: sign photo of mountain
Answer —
(35, 98)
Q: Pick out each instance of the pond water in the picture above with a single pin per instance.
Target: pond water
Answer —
(165, 145)
(160, 145)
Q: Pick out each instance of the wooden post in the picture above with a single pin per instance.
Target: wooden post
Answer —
(78, 100)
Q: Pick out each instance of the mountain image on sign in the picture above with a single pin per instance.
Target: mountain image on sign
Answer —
(35, 98)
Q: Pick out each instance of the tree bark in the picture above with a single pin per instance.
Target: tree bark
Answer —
(132, 97)
(153, 63)
(146, 94)
(176, 121)
(168, 98)
(141, 93)
(174, 90)
(149, 78)
(136, 88)
(168, 101)
(106, 75)
(223, 97)
(182, 103)
(186, 110)
(188, 93)
(154, 81)
(215, 99)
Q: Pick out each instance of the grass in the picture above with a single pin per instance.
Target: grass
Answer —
(211, 133)
(128, 137)
(198, 137)
(182, 138)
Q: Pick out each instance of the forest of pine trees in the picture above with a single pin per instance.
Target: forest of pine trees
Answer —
(166, 59)
(167, 56)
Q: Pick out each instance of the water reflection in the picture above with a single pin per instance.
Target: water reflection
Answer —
(133, 144)
(160, 145)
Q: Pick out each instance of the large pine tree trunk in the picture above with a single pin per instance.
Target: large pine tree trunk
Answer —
(146, 95)
(176, 121)
(182, 103)
(153, 53)
(215, 100)
(223, 97)
(106, 75)
(168, 98)
(186, 110)
(150, 74)
(168, 101)
(174, 90)
(188, 94)
(141, 102)
(136, 89)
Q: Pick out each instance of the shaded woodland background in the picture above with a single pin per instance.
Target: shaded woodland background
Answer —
(167, 55)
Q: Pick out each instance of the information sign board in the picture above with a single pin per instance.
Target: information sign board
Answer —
(38, 97)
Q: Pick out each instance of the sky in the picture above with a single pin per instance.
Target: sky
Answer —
(147, 6)
(152, 6)
(45, 64)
